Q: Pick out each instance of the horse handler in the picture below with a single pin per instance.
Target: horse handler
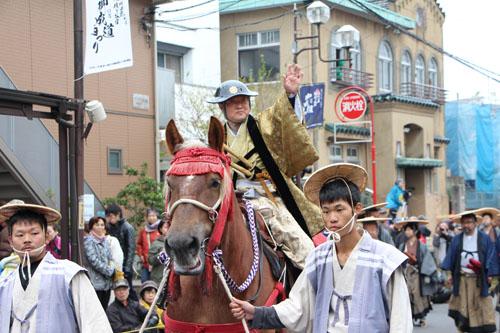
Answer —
(44, 294)
(351, 283)
(266, 152)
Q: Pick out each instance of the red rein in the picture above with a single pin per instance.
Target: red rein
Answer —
(199, 161)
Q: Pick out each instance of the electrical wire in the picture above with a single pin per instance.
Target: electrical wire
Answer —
(205, 14)
(464, 62)
(184, 8)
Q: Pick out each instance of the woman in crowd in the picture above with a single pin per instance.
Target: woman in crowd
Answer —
(420, 270)
(145, 238)
(147, 295)
(54, 246)
(155, 249)
(99, 259)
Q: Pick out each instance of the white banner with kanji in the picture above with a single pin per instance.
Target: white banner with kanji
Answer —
(108, 41)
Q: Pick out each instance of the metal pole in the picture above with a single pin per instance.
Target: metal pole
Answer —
(373, 148)
(73, 195)
(79, 127)
(63, 189)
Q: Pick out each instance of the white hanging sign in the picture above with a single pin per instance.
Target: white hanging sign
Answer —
(108, 41)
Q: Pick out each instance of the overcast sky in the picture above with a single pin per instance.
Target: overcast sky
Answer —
(471, 31)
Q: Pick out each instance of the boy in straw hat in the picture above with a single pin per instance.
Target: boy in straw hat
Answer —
(472, 260)
(351, 283)
(374, 213)
(420, 270)
(44, 294)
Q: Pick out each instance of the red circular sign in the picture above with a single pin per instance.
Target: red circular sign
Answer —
(351, 106)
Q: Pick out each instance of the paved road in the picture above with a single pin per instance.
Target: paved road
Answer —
(438, 321)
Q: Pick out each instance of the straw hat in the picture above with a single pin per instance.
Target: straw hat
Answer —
(352, 172)
(14, 206)
(412, 219)
(373, 219)
(487, 210)
(458, 217)
(374, 207)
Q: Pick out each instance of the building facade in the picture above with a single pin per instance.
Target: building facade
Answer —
(402, 75)
(36, 54)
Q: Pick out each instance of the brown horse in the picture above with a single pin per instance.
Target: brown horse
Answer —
(190, 228)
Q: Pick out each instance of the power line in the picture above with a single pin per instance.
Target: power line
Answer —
(205, 14)
(464, 62)
(184, 8)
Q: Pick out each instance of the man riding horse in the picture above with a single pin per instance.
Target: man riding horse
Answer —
(268, 150)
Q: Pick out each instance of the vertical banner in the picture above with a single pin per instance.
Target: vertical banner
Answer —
(108, 41)
(312, 98)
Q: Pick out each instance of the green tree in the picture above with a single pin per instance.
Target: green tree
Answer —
(141, 193)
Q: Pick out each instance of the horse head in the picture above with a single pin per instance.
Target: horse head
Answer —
(196, 186)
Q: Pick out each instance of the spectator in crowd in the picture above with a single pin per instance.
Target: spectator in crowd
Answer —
(146, 237)
(116, 251)
(420, 271)
(156, 248)
(488, 222)
(5, 249)
(375, 211)
(125, 314)
(54, 246)
(100, 262)
(44, 294)
(395, 198)
(119, 227)
(441, 241)
(147, 295)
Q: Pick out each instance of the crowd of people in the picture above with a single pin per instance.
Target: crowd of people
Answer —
(366, 269)
(109, 248)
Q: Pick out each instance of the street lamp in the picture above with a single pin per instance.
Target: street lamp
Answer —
(318, 13)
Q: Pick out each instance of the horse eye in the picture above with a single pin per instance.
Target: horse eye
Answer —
(215, 183)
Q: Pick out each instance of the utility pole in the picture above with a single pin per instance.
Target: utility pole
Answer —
(76, 133)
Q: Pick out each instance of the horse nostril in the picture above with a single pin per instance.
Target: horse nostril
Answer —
(182, 243)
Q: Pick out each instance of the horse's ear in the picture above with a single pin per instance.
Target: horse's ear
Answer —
(216, 134)
(173, 136)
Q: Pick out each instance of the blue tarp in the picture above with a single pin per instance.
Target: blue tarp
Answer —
(474, 148)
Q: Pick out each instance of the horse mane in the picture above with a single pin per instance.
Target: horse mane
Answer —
(227, 181)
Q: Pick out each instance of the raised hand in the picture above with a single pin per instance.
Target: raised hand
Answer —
(292, 79)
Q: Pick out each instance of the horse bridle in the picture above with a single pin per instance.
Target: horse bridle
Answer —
(211, 211)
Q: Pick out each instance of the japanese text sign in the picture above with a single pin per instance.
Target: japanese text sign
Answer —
(312, 99)
(108, 41)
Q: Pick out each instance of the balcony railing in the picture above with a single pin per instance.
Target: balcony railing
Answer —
(348, 77)
(432, 93)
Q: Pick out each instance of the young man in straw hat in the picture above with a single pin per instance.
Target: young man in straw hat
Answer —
(488, 222)
(420, 270)
(472, 260)
(373, 226)
(351, 283)
(44, 294)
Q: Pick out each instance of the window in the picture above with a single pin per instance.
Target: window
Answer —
(352, 154)
(336, 153)
(173, 62)
(435, 181)
(256, 51)
(436, 153)
(433, 73)
(115, 161)
(356, 57)
(420, 70)
(406, 67)
(385, 67)
(398, 148)
(428, 150)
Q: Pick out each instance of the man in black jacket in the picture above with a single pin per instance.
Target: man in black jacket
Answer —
(119, 227)
(125, 314)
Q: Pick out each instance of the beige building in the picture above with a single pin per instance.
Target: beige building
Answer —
(36, 53)
(404, 76)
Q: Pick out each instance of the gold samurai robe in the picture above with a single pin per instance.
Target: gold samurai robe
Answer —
(291, 148)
